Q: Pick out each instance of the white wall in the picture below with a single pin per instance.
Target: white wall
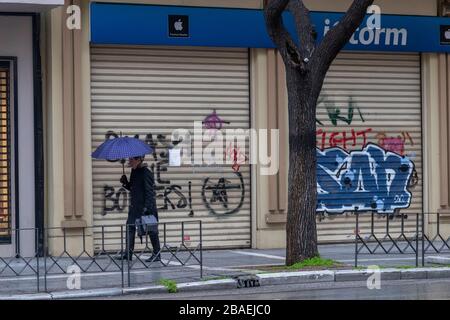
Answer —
(16, 40)
(29, 5)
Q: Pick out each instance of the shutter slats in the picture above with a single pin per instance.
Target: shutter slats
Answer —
(143, 90)
(387, 90)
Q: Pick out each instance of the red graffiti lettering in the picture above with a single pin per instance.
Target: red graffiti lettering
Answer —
(343, 139)
(394, 144)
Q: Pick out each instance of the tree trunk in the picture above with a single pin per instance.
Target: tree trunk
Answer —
(306, 67)
(301, 233)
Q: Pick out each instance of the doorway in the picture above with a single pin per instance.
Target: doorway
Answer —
(7, 212)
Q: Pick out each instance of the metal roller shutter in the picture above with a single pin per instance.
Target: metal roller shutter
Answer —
(150, 91)
(372, 99)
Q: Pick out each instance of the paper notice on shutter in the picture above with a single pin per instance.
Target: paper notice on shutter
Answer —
(174, 158)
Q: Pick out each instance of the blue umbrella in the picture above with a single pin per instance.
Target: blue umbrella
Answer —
(121, 148)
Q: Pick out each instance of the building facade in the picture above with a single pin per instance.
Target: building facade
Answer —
(21, 129)
(146, 68)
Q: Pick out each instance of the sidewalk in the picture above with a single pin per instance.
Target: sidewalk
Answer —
(220, 269)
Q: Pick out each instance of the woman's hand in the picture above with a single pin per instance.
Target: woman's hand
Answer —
(123, 179)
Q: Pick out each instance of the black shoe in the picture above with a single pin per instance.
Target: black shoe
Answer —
(154, 258)
(124, 257)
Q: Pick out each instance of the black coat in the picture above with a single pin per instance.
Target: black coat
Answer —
(142, 193)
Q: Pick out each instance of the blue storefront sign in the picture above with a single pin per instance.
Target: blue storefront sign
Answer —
(152, 25)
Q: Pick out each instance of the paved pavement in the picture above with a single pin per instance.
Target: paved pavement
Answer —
(437, 289)
(216, 264)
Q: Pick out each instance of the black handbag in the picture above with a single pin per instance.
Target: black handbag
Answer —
(146, 225)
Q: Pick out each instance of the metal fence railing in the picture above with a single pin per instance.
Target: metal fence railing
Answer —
(17, 263)
(423, 235)
(92, 251)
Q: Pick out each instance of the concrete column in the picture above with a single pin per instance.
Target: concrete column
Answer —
(278, 119)
(68, 134)
(269, 233)
(443, 74)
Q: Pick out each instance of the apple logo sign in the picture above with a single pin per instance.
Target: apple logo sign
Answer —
(445, 35)
(178, 26)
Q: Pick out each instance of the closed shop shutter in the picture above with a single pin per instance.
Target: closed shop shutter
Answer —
(369, 128)
(151, 91)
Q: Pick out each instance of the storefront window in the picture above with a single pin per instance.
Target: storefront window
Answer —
(5, 214)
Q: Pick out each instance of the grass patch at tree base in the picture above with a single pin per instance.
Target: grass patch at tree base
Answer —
(315, 263)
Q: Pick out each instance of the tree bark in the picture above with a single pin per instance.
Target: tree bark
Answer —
(301, 232)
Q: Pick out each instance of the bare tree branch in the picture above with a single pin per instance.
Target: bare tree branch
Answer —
(337, 37)
(287, 48)
(305, 29)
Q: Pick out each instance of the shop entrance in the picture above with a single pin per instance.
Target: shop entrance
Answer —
(157, 94)
(6, 157)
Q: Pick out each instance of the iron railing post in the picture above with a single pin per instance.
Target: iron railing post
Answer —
(388, 232)
(45, 258)
(417, 239)
(372, 224)
(182, 233)
(423, 239)
(201, 250)
(84, 239)
(165, 235)
(438, 229)
(64, 237)
(16, 236)
(127, 254)
(103, 239)
(121, 252)
(36, 232)
(356, 237)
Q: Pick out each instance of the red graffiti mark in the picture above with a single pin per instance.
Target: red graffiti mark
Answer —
(237, 156)
(343, 139)
(235, 166)
(394, 144)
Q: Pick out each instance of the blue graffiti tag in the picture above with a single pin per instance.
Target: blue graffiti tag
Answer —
(371, 180)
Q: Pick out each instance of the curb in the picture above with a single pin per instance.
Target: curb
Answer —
(141, 290)
(438, 260)
(257, 280)
(362, 275)
(33, 296)
(223, 284)
(296, 277)
(86, 294)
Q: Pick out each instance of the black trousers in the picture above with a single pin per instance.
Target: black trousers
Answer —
(131, 237)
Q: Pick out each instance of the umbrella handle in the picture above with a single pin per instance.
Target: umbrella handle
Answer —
(123, 166)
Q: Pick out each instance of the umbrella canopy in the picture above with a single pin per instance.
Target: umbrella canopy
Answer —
(121, 148)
